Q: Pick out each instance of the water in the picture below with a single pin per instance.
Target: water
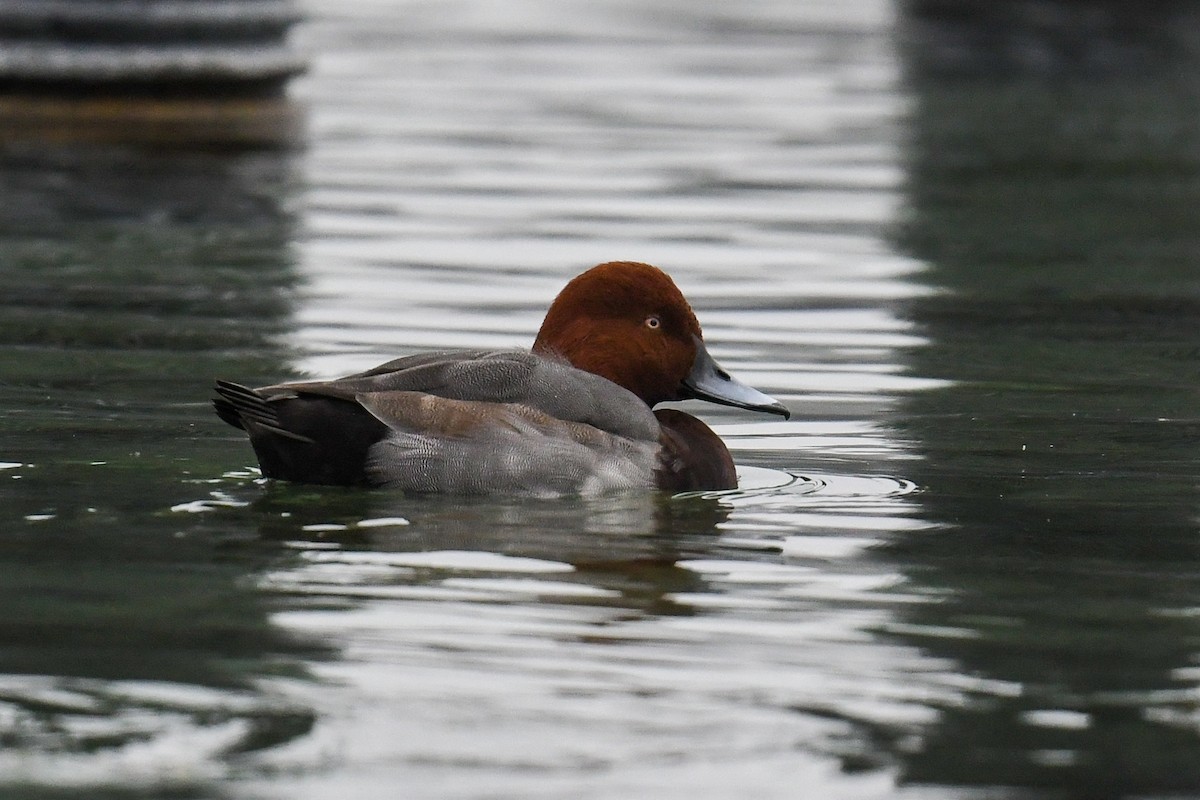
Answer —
(967, 567)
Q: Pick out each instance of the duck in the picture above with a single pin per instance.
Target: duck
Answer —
(574, 415)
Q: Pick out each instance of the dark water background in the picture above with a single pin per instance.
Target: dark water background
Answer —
(964, 252)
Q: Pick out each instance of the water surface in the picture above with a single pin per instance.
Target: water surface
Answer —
(967, 566)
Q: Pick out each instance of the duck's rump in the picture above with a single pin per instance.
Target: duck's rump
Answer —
(303, 438)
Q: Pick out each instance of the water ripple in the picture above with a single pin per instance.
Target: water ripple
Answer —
(149, 736)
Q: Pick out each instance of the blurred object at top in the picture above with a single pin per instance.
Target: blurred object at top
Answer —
(1049, 37)
(172, 72)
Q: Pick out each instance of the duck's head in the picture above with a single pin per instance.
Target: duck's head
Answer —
(629, 322)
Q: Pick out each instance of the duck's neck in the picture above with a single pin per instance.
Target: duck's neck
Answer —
(605, 354)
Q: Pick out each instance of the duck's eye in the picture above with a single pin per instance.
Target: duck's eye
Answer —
(653, 322)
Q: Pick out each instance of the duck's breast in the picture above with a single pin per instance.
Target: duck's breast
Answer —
(693, 457)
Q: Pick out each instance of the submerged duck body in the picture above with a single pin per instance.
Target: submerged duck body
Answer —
(573, 416)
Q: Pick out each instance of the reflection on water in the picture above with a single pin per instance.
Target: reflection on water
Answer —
(687, 636)
(630, 646)
(1060, 217)
(968, 561)
(131, 646)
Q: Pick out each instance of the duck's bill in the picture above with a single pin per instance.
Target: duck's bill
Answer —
(708, 381)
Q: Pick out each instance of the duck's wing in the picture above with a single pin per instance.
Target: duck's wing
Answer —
(514, 378)
(436, 444)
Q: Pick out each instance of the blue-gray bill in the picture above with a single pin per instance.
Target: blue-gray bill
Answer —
(708, 381)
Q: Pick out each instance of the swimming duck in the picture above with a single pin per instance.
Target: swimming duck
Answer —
(572, 416)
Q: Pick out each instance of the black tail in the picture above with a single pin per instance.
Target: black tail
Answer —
(302, 437)
(241, 406)
(226, 404)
